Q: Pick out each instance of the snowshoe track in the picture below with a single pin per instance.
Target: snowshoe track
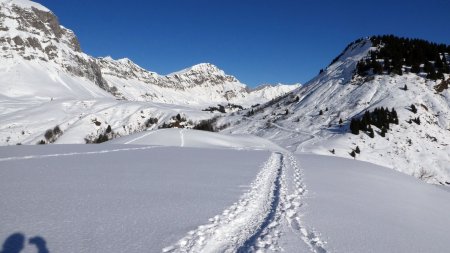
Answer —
(258, 220)
(293, 210)
(15, 158)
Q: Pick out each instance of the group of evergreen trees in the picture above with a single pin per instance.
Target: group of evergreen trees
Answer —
(395, 52)
(380, 117)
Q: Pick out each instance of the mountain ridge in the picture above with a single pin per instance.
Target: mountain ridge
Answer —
(32, 32)
(315, 118)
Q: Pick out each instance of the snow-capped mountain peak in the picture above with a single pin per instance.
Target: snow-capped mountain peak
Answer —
(24, 4)
(206, 68)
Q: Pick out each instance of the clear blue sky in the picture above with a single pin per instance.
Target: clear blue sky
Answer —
(258, 41)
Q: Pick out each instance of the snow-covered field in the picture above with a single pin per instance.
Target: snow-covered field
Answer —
(117, 198)
(216, 197)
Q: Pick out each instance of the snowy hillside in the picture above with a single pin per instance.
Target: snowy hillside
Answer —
(308, 120)
(197, 139)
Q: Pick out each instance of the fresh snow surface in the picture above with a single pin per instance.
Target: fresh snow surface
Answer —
(117, 198)
(361, 207)
(196, 138)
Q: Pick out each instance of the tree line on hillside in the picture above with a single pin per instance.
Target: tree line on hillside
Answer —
(379, 117)
(393, 54)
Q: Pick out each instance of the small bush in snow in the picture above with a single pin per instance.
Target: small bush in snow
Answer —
(57, 130)
(48, 134)
(206, 125)
(425, 174)
(151, 121)
(416, 120)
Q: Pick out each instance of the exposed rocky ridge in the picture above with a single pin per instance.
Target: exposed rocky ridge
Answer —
(200, 74)
(33, 32)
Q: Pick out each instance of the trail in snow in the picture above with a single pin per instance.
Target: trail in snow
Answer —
(72, 154)
(230, 230)
(141, 137)
(293, 209)
(260, 218)
(182, 137)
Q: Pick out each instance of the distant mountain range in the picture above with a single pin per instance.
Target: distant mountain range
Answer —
(34, 45)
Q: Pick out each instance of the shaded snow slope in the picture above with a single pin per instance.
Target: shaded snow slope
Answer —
(294, 121)
(42, 81)
(196, 138)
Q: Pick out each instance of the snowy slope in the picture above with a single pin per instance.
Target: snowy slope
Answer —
(196, 138)
(360, 207)
(135, 198)
(26, 121)
(87, 198)
(293, 121)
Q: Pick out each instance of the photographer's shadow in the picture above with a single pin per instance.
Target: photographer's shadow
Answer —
(15, 243)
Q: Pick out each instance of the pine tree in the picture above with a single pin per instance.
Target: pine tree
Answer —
(371, 133)
(383, 132)
(405, 88)
(354, 127)
(413, 108)
(353, 154)
(321, 112)
(340, 121)
(357, 150)
(415, 68)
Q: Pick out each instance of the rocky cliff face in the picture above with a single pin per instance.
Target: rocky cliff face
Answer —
(201, 84)
(32, 32)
